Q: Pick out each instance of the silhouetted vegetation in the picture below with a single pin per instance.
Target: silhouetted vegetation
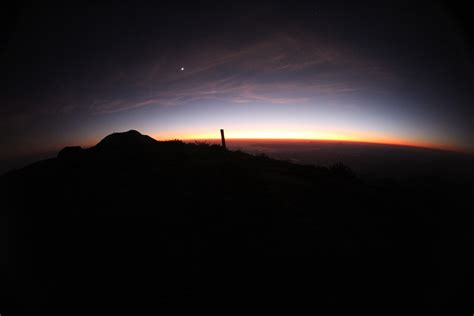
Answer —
(342, 170)
(104, 224)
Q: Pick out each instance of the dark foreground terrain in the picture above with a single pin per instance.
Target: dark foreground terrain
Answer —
(139, 226)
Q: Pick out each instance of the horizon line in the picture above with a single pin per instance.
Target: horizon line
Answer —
(448, 149)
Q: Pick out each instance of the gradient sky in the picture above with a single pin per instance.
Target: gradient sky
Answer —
(364, 71)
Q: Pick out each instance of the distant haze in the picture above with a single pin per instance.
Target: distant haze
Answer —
(366, 159)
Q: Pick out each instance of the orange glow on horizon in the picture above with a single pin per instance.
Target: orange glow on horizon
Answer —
(291, 136)
(310, 136)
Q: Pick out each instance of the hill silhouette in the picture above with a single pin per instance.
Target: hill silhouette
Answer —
(131, 138)
(134, 223)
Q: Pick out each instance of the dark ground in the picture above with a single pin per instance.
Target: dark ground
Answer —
(138, 225)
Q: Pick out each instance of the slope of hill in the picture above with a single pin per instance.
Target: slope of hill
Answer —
(134, 223)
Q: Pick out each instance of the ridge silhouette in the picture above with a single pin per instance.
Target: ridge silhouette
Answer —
(149, 223)
(126, 139)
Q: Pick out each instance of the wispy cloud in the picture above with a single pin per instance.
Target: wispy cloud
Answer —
(278, 70)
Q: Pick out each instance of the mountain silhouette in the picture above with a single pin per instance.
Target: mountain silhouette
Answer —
(134, 223)
(123, 140)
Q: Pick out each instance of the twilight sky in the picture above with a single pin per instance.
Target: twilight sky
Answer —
(364, 71)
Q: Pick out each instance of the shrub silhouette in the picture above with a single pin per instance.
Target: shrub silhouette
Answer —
(341, 170)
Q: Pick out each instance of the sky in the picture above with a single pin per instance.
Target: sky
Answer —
(390, 72)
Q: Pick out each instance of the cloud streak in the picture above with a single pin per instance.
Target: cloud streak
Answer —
(278, 70)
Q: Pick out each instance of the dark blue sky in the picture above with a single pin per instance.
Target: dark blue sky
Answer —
(370, 71)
